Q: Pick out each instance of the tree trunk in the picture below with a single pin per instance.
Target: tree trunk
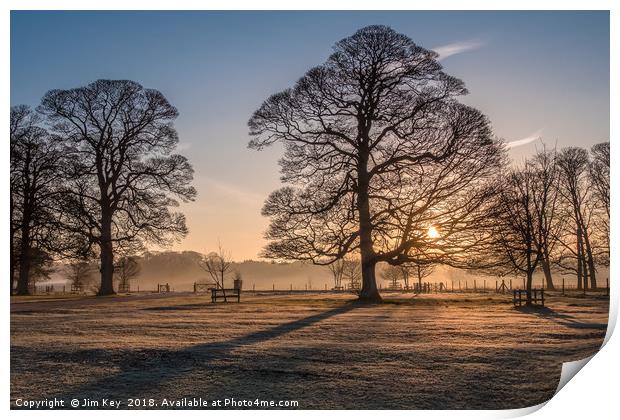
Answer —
(419, 280)
(589, 259)
(106, 256)
(23, 278)
(12, 268)
(13, 264)
(579, 260)
(369, 292)
(546, 266)
(528, 288)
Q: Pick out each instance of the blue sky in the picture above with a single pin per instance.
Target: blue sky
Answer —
(533, 73)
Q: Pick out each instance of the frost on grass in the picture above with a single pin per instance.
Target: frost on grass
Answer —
(446, 351)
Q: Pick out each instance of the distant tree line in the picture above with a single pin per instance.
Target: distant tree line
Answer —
(384, 165)
(94, 176)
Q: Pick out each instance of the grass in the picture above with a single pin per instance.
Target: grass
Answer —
(442, 351)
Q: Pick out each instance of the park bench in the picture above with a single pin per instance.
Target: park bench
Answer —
(519, 297)
(225, 294)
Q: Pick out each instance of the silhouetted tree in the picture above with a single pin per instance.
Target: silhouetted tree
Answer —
(599, 179)
(522, 221)
(552, 224)
(217, 264)
(599, 173)
(421, 271)
(336, 268)
(352, 273)
(123, 177)
(392, 274)
(377, 149)
(80, 273)
(577, 193)
(126, 268)
(35, 178)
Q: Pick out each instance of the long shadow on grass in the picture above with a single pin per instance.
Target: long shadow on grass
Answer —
(141, 372)
(559, 318)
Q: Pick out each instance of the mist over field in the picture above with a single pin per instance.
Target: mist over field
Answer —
(182, 269)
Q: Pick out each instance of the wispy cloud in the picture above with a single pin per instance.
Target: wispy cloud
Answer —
(532, 137)
(448, 50)
(233, 192)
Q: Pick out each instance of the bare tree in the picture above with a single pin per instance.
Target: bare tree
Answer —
(377, 150)
(80, 273)
(124, 177)
(521, 224)
(599, 173)
(577, 193)
(217, 264)
(35, 170)
(552, 224)
(337, 269)
(392, 274)
(599, 179)
(126, 268)
(352, 274)
(421, 271)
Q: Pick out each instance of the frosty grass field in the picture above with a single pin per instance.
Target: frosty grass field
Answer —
(442, 351)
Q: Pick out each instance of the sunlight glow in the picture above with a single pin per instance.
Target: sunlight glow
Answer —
(432, 233)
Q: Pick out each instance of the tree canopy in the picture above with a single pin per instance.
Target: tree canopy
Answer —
(377, 150)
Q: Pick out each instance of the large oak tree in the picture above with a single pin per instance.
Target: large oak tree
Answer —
(124, 176)
(377, 150)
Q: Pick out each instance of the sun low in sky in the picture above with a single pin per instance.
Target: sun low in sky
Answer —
(432, 232)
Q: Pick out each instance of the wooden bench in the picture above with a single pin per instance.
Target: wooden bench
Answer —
(225, 294)
(519, 297)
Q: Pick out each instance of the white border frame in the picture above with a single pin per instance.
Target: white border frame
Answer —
(592, 394)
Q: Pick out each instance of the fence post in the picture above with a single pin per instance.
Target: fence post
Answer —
(562, 286)
(511, 284)
(607, 282)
